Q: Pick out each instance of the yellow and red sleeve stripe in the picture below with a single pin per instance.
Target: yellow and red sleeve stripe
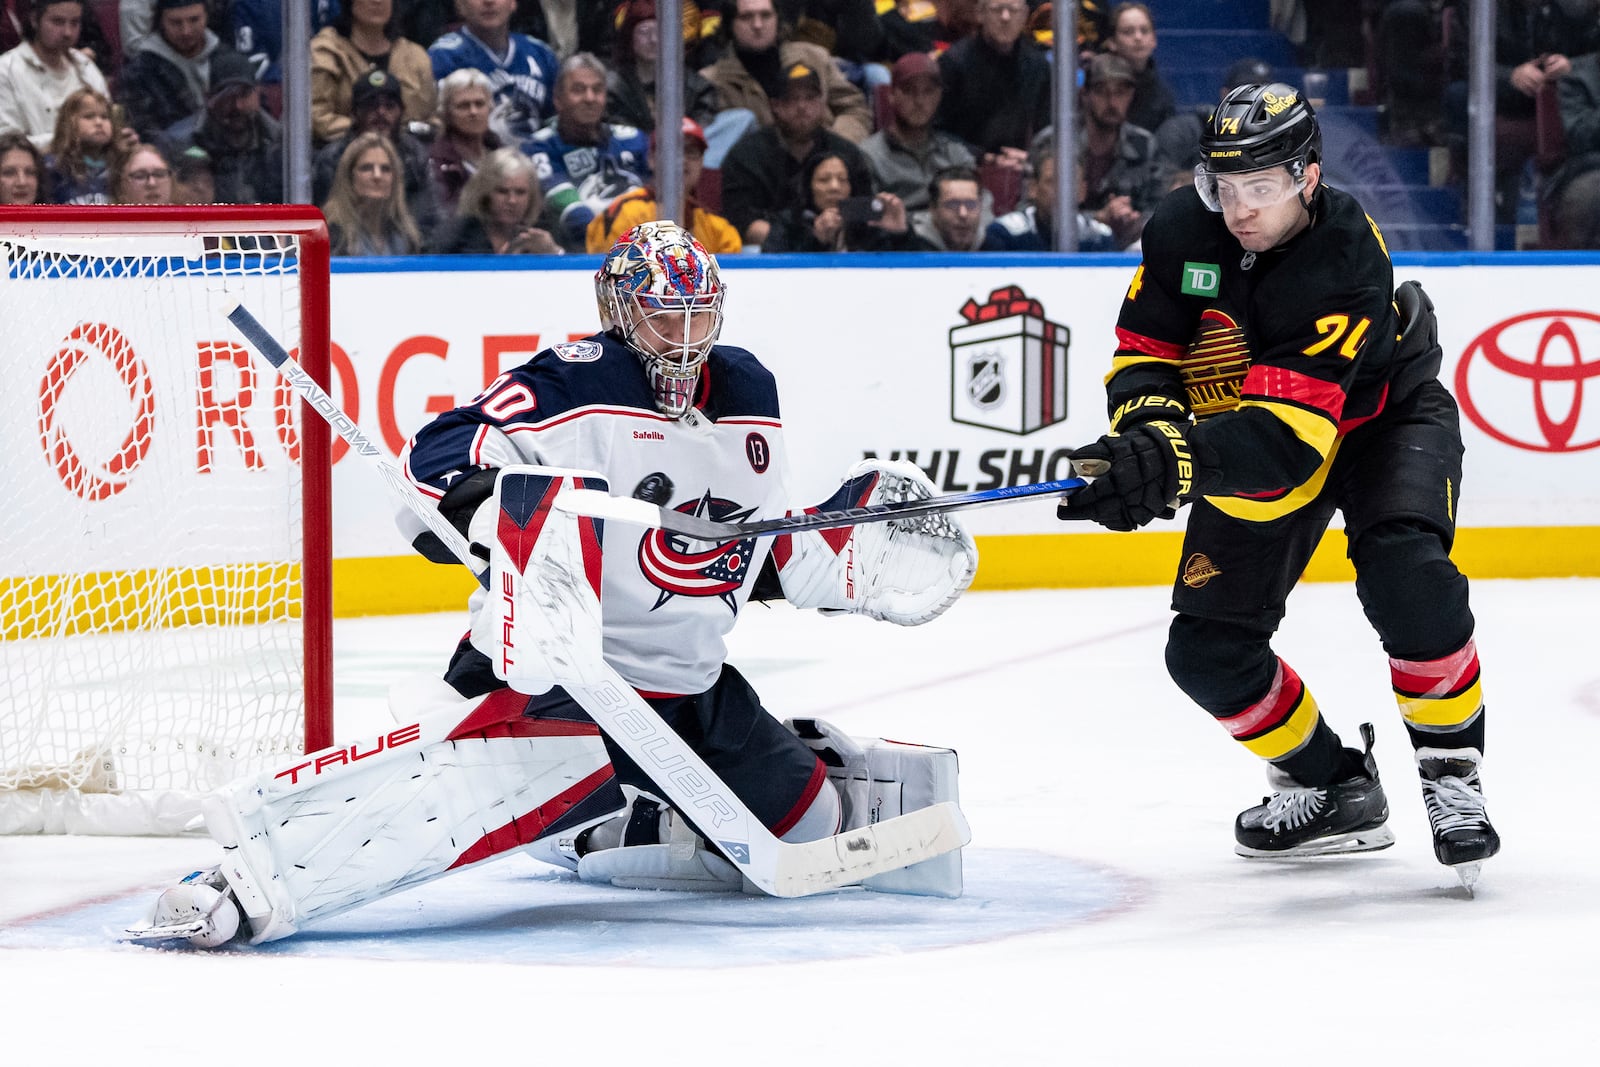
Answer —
(1280, 722)
(1135, 349)
(1309, 406)
(1444, 692)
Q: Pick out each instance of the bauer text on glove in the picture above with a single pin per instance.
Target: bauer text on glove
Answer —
(1139, 476)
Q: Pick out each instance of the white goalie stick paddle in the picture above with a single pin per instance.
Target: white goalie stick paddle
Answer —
(778, 868)
(595, 504)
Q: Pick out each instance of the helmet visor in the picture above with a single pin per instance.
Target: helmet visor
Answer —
(1254, 190)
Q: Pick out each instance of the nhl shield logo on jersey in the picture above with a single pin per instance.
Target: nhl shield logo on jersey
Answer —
(682, 566)
(1008, 364)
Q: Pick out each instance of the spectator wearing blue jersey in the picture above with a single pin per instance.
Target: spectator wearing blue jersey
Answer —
(521, 70)
(584, 162)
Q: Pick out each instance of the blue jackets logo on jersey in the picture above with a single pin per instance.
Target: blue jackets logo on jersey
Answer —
(682, 566)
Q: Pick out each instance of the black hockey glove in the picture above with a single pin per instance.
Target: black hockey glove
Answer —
(1138, 476)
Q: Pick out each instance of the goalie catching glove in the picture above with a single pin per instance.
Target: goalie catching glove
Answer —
(906, 571)
(1139, 475)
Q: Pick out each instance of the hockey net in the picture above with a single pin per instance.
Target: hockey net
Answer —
(165, 616)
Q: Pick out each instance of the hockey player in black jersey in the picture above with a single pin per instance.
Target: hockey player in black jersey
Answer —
(1267, 373)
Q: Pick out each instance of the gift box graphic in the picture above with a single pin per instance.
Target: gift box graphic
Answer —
(1008, 364)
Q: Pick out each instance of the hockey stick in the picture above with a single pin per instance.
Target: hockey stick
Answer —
(595, 504)
(778, 868)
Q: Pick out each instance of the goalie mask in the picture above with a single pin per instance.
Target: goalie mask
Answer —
(1257, 128)
(660, 292)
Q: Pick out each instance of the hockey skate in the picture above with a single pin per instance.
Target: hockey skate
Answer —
(1462, 835)
(1297, 821)
(200, 910)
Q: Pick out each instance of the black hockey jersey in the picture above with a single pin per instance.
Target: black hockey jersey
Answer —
(668, 601)
(1278, 354)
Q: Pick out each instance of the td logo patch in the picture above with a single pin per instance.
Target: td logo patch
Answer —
(1201, 279)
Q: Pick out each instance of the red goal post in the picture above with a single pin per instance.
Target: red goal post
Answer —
(166, 574)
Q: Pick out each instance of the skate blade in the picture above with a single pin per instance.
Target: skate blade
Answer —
(1379, 837)
(1468, 873)
(155, 935)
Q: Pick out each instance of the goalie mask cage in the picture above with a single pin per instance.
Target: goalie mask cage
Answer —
(165, 592)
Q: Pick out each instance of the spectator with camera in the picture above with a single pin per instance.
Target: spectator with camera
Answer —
(906, 154)
(761, 174)
(835, 211)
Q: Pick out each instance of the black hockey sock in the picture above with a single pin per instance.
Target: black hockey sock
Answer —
(1321, 761)
(1468, 736)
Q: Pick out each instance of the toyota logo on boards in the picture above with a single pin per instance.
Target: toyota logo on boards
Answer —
(1522, 381)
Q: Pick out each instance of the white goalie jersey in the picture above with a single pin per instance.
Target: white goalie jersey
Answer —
(669, 600)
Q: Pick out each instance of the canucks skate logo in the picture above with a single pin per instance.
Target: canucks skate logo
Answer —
(683, 566)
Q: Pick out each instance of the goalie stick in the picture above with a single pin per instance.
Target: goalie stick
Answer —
(778, 868)
(598, 505)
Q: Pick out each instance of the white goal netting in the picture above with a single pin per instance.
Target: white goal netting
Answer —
(151, 609)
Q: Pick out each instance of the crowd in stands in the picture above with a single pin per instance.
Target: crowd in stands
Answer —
(528, 126)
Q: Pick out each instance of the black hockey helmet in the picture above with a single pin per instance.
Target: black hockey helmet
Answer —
(1260, 126)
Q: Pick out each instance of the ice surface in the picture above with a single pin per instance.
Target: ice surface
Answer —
(1106, 918)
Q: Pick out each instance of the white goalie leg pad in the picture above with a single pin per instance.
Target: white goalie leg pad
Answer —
(349, 825)
(878, 780)
(678, 862)
(906, 571)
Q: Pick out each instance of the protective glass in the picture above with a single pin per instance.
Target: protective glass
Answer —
(1254, 190)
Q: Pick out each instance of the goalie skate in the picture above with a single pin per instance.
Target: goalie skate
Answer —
(200, 909)
(1298, 821)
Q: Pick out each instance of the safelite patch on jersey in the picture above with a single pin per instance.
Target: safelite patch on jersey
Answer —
(1201, 279)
